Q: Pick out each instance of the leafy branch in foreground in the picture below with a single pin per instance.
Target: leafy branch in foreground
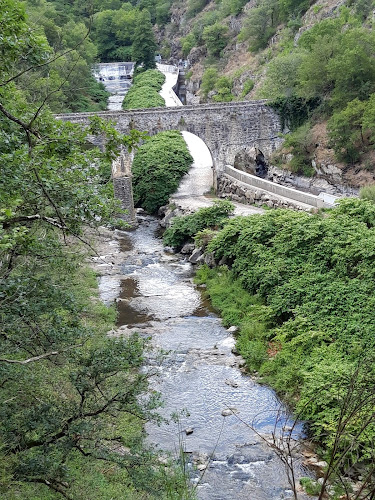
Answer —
(71, 398)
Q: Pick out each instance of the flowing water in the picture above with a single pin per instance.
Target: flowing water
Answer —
(199, 377)
(117, 79)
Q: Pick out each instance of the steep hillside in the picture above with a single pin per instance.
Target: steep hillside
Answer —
(315, 61)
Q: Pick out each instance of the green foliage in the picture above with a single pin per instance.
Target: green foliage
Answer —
(341, 54)
(187, 43)
(310, 486)
(70, 395)
(282, 78)
(206, 19)
(223, 86)
(368, 193)
(260, 24)
(301, 145)
(295, 8)
(114, 31)
(65, 82)
(195, 6)
(144, 44)
(184, 228)
(247, 87)
(231, 7)
(144, 93)
(294, 111)
(345, 131)
(209, 80)
(329, 73)
(215, 38)
(351, 130)
(157, 169)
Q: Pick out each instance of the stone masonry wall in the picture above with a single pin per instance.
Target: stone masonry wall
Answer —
(226, 128)
(228, 187)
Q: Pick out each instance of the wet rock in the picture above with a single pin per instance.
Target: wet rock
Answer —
(235, 351)
(232, 383)
(188, 248)
(167, 219)
(229, 411)
(240, 475)
(322, 464)
(198, 252)
(209, 259)
(162, 210)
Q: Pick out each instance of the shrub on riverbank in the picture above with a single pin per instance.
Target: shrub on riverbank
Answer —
(157, 169)
(144, 93)
(184, 228)
(302, 290)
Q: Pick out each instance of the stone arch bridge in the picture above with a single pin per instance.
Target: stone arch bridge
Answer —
(228, 129)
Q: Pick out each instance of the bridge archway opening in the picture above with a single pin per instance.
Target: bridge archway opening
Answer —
(200, 178)
(252, 161)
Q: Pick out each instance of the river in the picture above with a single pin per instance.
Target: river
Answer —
(200, 379)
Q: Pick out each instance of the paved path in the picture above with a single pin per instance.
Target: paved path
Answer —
(171, 76)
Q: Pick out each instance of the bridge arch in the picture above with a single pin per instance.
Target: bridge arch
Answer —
(200, 178)
(226, 129)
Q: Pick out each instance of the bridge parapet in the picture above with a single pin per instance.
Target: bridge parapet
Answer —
(226, 128)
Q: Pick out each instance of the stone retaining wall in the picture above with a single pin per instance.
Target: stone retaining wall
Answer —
(231, 188)
(275, 191)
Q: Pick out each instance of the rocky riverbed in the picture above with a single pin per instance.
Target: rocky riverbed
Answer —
(222, 416)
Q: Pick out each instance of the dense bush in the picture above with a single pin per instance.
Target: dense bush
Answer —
(144, 92)
(223, 87)
(157, 169)
(209, 80)
(368, 193)
(247, 87)
(306, 305)
(184, 228)
(187, 43)
(301, 144)
(215, 37)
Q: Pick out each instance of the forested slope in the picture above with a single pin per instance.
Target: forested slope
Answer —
(73, 400)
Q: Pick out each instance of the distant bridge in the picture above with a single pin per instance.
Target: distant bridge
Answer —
(228, 129)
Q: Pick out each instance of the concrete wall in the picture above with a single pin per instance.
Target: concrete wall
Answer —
(277, 189)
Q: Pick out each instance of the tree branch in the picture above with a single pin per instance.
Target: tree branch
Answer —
(38, 358)
(55, 58)
(53, 486)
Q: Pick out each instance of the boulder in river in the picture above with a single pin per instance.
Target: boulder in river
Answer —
(194, 258)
